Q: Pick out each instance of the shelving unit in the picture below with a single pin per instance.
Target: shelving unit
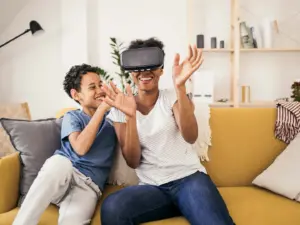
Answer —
(235, 52)
(270, 50)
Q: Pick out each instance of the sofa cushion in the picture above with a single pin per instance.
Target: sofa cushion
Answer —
(282, 176)
(121, 173)
(256, 206)
(243, 144)
(36, 141)
(252, 206)
(49, 217)
(247, 206)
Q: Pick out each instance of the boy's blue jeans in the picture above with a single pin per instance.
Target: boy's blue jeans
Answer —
(195, 197)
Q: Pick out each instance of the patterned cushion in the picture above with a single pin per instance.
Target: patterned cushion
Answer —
(12, 111)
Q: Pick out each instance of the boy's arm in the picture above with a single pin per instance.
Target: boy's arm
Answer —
(81, 141)
(129, 141)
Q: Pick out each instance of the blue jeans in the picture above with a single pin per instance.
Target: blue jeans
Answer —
(195, 197)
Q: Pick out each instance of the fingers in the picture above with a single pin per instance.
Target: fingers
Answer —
(110, 93)
(176, 59)
(190, 53)
(195, 54)
(114, 87)
(199, 57)
(128, 90)
(108, 101)
(197, 66)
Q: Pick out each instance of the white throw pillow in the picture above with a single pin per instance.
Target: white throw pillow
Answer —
(121, 173)
(283, 175)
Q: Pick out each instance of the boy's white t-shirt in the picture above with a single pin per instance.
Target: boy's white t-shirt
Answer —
(166, 156)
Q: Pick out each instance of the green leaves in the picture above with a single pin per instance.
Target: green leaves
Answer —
(124, 76)
(117, 49)
(296, 91)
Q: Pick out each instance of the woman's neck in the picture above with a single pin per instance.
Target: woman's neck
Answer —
(146, 100)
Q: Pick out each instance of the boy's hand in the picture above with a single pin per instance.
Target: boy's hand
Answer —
(115, 98)
(104, 106)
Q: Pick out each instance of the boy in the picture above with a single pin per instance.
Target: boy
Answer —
(74, 177)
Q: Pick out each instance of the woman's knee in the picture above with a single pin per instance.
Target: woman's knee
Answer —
(112, 210)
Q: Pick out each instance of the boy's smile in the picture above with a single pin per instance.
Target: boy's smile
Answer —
(90, 93)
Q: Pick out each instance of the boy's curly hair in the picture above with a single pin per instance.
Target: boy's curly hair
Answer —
(74, 76)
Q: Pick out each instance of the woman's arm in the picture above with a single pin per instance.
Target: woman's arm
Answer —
(185, 118)
(129, 142)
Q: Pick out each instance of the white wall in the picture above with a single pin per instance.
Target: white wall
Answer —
(32, 68)
(269, 75)
(132, 19)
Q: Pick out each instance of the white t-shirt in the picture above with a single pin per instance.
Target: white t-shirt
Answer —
(166, 156)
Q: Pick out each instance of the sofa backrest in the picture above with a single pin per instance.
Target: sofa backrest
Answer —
(243, 144)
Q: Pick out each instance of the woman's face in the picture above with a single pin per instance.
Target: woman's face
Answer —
(147, 80)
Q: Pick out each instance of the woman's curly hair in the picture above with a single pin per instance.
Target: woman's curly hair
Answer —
(74, 76)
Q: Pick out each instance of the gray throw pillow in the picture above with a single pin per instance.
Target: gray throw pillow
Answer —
(36, 140)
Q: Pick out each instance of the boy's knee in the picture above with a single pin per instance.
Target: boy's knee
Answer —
(57, 167)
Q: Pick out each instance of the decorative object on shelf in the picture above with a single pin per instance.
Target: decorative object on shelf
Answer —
(213, 42)
(283, 99)
(223, 100)
(34, 27)
(254, 37)
(222, 44)
(267, 33)
(200, 41)
(267, 28)
(246, 94)
(246, 36)
(296, 91)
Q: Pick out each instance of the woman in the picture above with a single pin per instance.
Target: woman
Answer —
(156, 130)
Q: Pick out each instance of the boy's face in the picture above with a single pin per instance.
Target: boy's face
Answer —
(90, 93)
(147, 80)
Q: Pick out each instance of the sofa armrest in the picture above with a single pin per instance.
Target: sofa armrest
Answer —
(9, 182)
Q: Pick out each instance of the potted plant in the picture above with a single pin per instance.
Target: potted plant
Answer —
(124, 76)
(296, 91)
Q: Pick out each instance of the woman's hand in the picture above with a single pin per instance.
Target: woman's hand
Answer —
(182, 72)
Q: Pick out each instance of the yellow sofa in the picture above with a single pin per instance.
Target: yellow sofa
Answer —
(243, 145)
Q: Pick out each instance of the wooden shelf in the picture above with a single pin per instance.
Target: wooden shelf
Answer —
(234, 52)
(221, 104)
(222, 50)
(271, 50)
(258, 104)
(265, 104)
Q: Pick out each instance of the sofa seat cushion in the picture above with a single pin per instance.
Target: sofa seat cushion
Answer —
(49, 217)
(247, 206)
(252, 206)
(256, 206)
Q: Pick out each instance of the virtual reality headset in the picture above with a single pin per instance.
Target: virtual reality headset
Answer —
(142, 59)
